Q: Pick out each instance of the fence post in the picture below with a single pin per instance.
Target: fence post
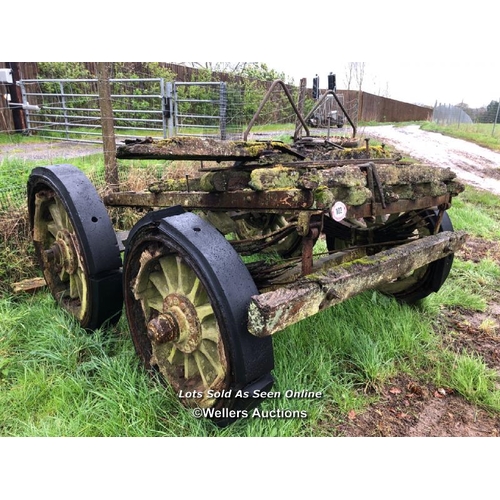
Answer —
(170, 109)
(163, 107)
(16, 98)
(302, 98)
(496, 118)
(108, 131)
(223, 110)
(63, 101)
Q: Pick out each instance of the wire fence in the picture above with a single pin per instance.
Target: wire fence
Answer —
(446, 114)
(68, 109)
(69, 122)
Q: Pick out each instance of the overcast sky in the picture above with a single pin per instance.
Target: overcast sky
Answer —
(424, 51)
(474, 83)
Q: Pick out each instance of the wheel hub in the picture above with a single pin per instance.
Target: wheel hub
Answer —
(178, 323)
(63, 252)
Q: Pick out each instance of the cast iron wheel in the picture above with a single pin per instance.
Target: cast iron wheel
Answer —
(397, 228)
(186, 298)
(75, 244)
(260, 224)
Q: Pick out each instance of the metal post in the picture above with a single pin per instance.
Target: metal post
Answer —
(63, 101)
(169, 109)
(16, 98)
(25, 103)
(164, 115)
(302, 98)
(496, 118)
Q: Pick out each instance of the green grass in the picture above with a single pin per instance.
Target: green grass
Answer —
(479, 133)
(477, 212)
(58, 380)
(470, 286)
(468, 374)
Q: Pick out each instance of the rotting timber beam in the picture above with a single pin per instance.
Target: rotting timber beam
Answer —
(200, 148)
(273, 311)
(273, 200)
(287, 199)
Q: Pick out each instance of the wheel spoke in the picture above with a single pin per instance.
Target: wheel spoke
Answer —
(201, 365)
(213, 358)
(168, 264)
(210, 330)
(74, 288)
(56, 215)
(159, 281)
(172, 355)
(204, 311)
(196, 290)
(186, 277)
(52, 228)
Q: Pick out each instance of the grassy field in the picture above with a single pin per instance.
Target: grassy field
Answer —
(58, 380)
(479, 133)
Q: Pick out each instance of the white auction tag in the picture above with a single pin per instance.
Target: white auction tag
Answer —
(338, 211)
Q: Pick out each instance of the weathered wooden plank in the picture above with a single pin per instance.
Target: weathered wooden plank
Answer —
(225, 180)
(29, 285)
(273, 311)
(199, 148)
(285, 199)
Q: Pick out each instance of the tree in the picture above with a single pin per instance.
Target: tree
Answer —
(355, 73)
(359, 74)
(489, 115)
(256, 70)
(349, 75)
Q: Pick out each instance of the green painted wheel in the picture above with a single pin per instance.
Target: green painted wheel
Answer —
(186, 297)
(75, 244)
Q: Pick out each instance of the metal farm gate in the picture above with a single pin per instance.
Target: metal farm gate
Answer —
(68, 109)
(200, 108)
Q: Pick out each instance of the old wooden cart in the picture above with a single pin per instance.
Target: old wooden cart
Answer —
(202, 312)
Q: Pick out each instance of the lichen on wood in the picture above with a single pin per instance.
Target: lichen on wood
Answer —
(278, 177)
(186, 184)
(347, 176)
(273, 311)
(224, 180)
(413, 174)
(325, 197)
(198, 148)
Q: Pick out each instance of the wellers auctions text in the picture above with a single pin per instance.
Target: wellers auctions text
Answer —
(255, 413)
(229, 393)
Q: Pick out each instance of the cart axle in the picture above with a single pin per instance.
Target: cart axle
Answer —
(273, 311)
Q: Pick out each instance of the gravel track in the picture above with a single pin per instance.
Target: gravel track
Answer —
(473, 164)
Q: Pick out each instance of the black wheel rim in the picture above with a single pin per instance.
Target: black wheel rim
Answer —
(186, 298)
(75, 244)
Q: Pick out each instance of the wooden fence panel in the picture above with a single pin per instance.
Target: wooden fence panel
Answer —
(382, 109)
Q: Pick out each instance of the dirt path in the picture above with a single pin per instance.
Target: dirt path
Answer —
(473, 164)
(47, 150)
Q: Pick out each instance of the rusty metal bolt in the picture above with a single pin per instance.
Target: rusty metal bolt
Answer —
(163, 328)
(53, 253)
